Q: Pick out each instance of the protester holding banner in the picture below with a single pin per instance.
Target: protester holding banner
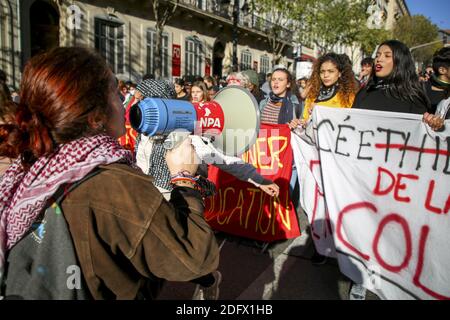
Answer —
(436, 121)
(438, 88)
(109, 220)
(395, 85)
(332, 84)
(281, 107)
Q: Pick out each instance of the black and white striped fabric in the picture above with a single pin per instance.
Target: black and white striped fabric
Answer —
(156, 89)
(157, 168)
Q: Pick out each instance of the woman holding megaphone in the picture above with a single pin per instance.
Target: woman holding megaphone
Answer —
(73, 194)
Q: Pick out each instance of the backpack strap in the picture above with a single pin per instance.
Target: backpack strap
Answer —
(63, 191)
(38, 264)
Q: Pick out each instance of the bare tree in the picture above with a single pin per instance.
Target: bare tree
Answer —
(163, 10)
(276, 22)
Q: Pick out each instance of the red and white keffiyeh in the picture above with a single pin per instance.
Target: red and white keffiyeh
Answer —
(24, 194)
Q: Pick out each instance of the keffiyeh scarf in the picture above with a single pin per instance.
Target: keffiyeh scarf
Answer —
(157, 163)
(24, 194)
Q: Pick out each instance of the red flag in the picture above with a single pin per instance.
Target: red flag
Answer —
(242, 209)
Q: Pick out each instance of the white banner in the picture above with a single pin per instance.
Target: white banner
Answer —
(382, 190)
(303, 70)
(312, 199)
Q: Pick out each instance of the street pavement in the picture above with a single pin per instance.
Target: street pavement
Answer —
(282, 271)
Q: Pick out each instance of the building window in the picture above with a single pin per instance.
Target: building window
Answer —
(109, 42)
(264, 64)
(151, 53)
(194, 57)
(246, 60)
(3, 38)
(201, 4)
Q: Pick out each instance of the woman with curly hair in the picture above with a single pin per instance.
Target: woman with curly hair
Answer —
(332, 84)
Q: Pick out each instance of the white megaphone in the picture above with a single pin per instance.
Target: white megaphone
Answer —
(231, 121)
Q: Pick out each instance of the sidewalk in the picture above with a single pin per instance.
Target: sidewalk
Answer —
(282, 271)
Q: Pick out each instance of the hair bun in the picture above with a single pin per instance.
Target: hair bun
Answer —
(11, 141)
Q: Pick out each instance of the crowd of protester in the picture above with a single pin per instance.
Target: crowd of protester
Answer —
(134, 216)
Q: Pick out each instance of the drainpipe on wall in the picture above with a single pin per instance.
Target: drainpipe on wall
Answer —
(13, 58)
(129, 50)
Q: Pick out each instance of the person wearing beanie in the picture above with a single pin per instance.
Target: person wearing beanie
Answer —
(253, 84)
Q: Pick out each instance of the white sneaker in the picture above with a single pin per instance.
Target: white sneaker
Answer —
(209, 293)
(357, 292)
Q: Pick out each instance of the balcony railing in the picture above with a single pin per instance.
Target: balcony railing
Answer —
(252, 21)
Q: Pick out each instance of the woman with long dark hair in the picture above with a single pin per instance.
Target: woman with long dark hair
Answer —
(395, 85)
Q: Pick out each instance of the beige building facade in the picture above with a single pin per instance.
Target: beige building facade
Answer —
(391, 11)
(197, 40)
(394, 10)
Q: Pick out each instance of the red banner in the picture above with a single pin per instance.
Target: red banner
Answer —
(128, 140)
(176, 60)
(207, 67)
(242, 209)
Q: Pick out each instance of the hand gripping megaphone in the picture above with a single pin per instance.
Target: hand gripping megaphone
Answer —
(231, 120)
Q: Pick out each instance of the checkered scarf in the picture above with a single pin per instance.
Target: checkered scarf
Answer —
(24, 194)
(156, 89)
(157, 164)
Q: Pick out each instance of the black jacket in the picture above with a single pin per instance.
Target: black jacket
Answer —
(435, 96)
(372, 98)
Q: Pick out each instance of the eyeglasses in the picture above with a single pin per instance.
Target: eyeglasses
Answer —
(233, 81)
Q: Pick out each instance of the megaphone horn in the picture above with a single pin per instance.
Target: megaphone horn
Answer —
(231, 119)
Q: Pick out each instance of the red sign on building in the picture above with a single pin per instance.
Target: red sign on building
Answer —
(207, 67)
(176, 60)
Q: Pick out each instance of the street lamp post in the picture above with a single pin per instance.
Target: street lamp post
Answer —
(235, 34)
(236, 11)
